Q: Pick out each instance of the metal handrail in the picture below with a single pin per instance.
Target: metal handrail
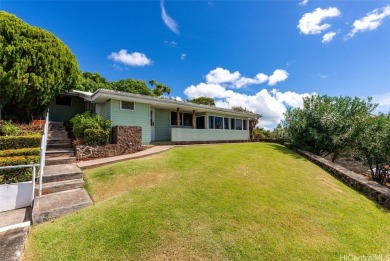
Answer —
(43, 152)
(33, 169)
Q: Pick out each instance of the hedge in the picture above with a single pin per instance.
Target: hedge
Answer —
(20, 152)
(17, 175)
(96, 137)
(19, 142)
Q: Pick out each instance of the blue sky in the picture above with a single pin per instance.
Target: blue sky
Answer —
(263, 55)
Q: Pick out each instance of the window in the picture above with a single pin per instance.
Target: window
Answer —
(187, 119)
(238, 124)
(218, 122)
(200, 122)
(226, 123)
(232, 124)
(211, 122)
(174, 118)
(64, 100)
(127, 105)
(245, 124)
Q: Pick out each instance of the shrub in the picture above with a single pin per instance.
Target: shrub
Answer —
(18, 142)
(97, 137)
(84, 121)
(17, 175)
(20, 152)
(9, 129)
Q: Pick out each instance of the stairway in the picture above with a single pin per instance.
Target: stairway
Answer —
(59, 146)
(62, 181)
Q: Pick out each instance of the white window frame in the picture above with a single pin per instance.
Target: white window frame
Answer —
(124, 109)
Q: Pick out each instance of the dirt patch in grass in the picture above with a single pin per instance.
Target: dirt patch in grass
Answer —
(124, 184)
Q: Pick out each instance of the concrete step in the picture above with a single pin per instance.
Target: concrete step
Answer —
(57, 135)
(58, 141)
(59, 204)
(55, 173)
(60, 160)
(57, 128)
(59, 153)
(66, 145)
(12, 243)
(54, 187)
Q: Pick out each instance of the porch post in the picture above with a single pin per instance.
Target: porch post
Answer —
(178, 117)
(193, 119)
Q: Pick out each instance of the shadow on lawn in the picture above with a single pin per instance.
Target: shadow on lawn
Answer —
(285, 150)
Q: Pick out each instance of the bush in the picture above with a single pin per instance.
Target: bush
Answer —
(20, 152)
(18, 142)
(17, 175)
(94, 137)
(9, 129)
(85, 121)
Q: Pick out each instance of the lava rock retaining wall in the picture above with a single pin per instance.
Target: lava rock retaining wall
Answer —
(371, 189)
(126, 139)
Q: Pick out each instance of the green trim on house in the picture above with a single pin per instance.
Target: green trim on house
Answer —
(63, 112)
(140, 116)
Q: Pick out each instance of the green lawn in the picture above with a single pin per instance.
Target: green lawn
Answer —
(219, 202)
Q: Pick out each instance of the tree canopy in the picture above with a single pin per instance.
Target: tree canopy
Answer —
(93, 81)
(35, 66)
(327, 125)
(373, 144)
(203, 100)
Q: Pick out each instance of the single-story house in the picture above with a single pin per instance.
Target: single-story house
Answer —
(161, 119)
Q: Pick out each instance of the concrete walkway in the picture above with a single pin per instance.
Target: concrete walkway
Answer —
(14, 226)
(103, 161)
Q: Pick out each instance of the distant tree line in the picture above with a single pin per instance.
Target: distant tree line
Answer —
(93, 81)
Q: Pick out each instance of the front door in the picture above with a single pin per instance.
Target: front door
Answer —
(152, 125)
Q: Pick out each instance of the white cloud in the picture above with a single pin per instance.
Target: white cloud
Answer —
(171, 43)
(370, 22)
(384, 102)
(220, 75)
(304, 2)
(168, 20)
(311, 23)
(178, 98)
(235, 80)
(271, 104)
(328, 37)
(278, 76)
(183, 56)
(131, 59)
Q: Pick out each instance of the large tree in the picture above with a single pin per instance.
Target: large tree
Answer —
(92, 81)
(35, 66)
(203, 100)
(327, 125)
(373, 144)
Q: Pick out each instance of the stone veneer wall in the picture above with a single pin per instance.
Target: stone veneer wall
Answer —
(126, 139)
(371, 189)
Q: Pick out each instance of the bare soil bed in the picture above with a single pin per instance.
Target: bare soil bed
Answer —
(355, 166)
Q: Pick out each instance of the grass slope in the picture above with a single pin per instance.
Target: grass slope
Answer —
(220, 202)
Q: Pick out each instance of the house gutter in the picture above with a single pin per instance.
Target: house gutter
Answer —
(109, 94)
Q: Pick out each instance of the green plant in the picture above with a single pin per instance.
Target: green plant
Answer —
(35, 66)
(84, 121)
(9, 129)
(18, 142)
(16, 175)
(20, 152)
(96, 137)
